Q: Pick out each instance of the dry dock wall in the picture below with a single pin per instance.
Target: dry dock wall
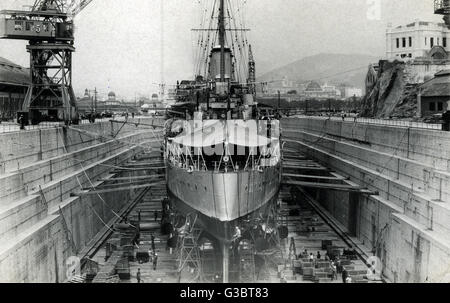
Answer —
(407, 223)
(41, 223)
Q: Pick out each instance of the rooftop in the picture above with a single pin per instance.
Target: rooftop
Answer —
(420, 23)
(438, 86)
(13, 74)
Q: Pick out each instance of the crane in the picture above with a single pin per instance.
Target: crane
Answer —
(442, 7)
(49, 28)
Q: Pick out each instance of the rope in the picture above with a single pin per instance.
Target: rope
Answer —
(89, 179)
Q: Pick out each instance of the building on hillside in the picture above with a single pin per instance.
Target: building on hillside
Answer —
(332, 91)
(14, 83)
(416, 40)
(434, 94)
(352, 92)
(283, 86)
(314, 90)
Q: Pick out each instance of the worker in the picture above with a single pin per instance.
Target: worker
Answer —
(150, 255)
(139, 215)
(292, 247)
(446, 119)
(153, 242)
(156, 215)
(318, 255)
(333, 271)
(338, 266)
(216, 278)
(155, 261)
(311, 257)
(344, 276)
(22, 122)
(348, 279)
(138, 275)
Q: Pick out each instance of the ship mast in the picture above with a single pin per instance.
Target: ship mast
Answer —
(222, 40)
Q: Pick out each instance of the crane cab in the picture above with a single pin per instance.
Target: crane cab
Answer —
(22, 25)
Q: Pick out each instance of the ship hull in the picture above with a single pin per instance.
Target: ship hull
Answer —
(222, 199)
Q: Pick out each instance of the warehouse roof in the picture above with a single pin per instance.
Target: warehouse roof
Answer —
(13, 74)
(438, 86)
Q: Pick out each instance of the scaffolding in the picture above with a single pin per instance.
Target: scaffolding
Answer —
(247, 267)
(188, 250)
(275, 252)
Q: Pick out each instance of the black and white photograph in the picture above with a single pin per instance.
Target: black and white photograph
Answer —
(225, 142)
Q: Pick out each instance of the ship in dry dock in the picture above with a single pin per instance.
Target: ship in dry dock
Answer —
(222, 151)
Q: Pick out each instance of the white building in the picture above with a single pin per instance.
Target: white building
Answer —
(415, 39)
(283, 86)
(353, 92)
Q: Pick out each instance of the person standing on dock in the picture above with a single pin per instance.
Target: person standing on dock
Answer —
(155, 261)
(333, 271)
(138, 275)
(153, 242)
(22, 122)
(292, 250)
(339, 266)
(446, 119)
(344, 276)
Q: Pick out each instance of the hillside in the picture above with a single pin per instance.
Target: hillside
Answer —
(333, 68)
(391, 95)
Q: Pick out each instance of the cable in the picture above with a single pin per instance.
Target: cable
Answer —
(89, 179)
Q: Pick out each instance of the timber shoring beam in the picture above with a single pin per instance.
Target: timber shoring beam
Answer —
(134, 164)
(314, 177)
(330, 186)
(146, 177)
(137, 124)
(305, 167)
(124, 169)
(122, 184)
(102, 191)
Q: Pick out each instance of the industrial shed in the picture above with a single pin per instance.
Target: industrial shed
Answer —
(14, 82)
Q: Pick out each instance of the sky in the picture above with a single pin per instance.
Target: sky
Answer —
(118, 42)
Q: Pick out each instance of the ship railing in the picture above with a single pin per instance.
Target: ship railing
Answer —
(183, 157)
(219, 167)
